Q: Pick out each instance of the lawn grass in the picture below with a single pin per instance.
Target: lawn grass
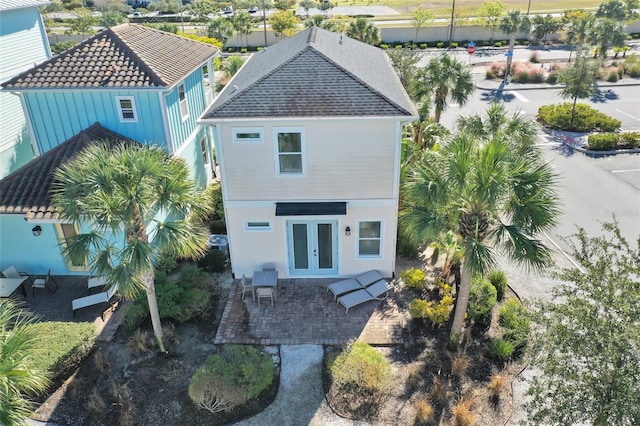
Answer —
(442, 8)
(59, 344)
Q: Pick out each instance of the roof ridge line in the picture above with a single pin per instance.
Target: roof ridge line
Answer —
(124, 46)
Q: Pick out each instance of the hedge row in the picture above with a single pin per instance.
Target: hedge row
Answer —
(586, 119)
(611, 141)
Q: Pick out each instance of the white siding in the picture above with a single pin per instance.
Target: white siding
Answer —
(251, 249)
(345, 159)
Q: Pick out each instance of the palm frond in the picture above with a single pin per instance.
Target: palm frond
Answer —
(527, 251)
(479, 258)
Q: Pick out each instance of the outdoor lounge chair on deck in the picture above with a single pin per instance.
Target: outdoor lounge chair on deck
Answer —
(373, 292)
(358, 283)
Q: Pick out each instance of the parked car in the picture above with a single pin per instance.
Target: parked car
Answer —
(227, 10)
(252, 9)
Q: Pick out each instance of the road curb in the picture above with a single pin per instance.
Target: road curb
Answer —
(516, 86)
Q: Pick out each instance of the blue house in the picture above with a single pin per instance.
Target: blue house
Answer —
(127, 82)
(23, 43)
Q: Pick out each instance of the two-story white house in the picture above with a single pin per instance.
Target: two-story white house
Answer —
(23, 43)
(308, 138)
(128, 82)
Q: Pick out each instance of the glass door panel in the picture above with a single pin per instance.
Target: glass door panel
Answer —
(325, 245)
(300, 246)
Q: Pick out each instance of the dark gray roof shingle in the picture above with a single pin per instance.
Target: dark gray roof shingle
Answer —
(128, 55)
(27, 190)
(313, 74)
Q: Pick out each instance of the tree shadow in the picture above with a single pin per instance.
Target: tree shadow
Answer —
(602, 96)
(497, 95)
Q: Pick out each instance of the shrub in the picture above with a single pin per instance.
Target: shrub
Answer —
(454, 44)
(232, 377)
(60, 344)
(629, 140)
(384, 46)
(552, 78)
(459, 366)
(62, 46)
(423, 45)
(489, 75)
(514, 319)
(586, 119)
(613, 76)
(438, 392)
(440, 44)
(436, 312)
(424, 413)
(501, 350)
(214, 193)
(499, 281)
(482, 299)
(214, 260)
(496, 386)
(534, 58)
(522, 77)
(498, 44)
(140, 342)
(167, 262)
(96, 403)
(243, 50)
(631, 66)
(603, 141)
(362, 367)
(463, 414)
(218, 226)
(414, 278)
(136, 314)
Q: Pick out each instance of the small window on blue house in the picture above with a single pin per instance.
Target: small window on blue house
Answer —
(126, 109)
(184, 108)
(205, 151)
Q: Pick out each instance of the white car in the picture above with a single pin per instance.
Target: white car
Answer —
(96, 14)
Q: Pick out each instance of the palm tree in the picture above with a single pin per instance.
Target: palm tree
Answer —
(494, 193)
(445, 78)
(231, 66)
(132, 200)
(579, 31)
(514, 22)
(220, 29)
(243, 24)
(363, 30)
(321, 21)
(17, 378)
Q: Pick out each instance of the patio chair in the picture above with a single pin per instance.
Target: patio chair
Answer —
(361, 281)
(262, 292)
(373, 292)
(12, 272)
(48, 282)
(269, 267)
(244, 283)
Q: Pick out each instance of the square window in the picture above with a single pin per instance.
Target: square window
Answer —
(126, 109)
(369, 238)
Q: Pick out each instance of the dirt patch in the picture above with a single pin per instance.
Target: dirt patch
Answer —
(115, 386)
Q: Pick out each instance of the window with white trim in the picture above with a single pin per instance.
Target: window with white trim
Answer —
(126, 109)
(370, 239)
(247, 134)
(182, 96)
(206, 83)
(289, 150)
(257, 225)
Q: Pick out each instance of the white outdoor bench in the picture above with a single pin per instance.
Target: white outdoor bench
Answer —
(95, 299)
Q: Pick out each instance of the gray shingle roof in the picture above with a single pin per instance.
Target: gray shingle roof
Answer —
(128, 55)
(20, 4)
(316, 73)
(27, 190)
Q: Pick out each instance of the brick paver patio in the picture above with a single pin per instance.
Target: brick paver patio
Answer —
(306, 313)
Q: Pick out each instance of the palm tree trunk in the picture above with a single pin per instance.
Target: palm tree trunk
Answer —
(462, 302)
(150, 289)
(573, 110)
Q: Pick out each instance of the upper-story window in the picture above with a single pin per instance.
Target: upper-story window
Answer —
(126, 109)
(182, 96)
(207, 83)
(289, 143)
(247, 134)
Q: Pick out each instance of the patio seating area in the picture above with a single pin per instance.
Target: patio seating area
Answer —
(306, 313)
(56, 306)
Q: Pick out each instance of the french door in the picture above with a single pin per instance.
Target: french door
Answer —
(313, 248)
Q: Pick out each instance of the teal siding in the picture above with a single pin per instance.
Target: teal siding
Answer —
(23, 41)
(34, 255)
(194, 89)
(15, 140)
(192, 154)
(57, 116)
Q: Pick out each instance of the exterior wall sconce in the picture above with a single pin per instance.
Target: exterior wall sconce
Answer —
(347, 231)
(37, 230)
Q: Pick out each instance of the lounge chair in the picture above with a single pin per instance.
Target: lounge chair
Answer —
(372, 292)
(97, 299)
(47, 282)
(358, 283)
